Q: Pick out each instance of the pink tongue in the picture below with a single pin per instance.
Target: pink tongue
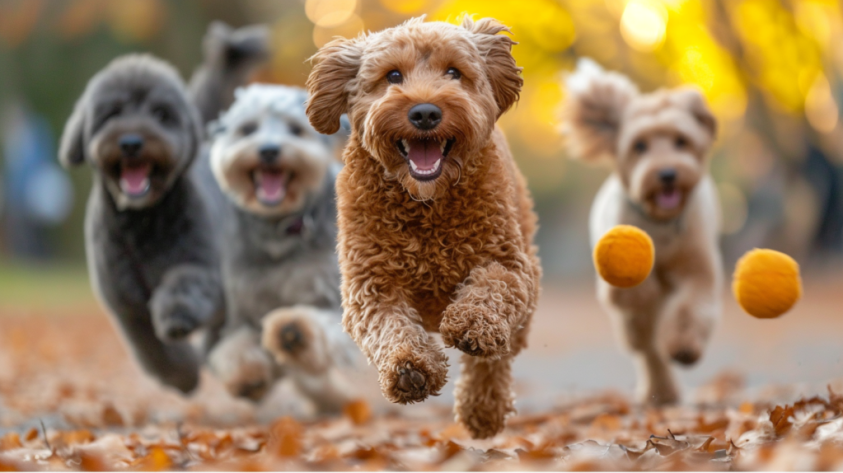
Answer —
(271, 186)
(424, 153)
(669, 199)
(135, 179)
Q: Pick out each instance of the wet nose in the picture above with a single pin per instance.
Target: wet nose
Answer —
(425, 116)
(269, 153)
(131, 144)
(667, 176)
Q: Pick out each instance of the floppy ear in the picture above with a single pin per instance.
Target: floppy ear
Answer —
(72, 146)
(334, 66)
(496, 49)
(696, 104)
(593, 110)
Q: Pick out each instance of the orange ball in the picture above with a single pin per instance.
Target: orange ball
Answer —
(766, 283)
(624, 256)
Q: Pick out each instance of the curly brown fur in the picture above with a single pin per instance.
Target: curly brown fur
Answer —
(657, 144)
(437, 237)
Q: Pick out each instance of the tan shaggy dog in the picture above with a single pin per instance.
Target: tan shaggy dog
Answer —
(657, 144)
(435, 221)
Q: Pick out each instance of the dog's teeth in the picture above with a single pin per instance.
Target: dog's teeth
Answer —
(436, 165)
(442, 146)
(413, 165)
(406, 146)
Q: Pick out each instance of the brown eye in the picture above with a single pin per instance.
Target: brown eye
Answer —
(394, 77)
(454, 73)
(681, 142)
(640, 146)
(296, 130)
(248, 128)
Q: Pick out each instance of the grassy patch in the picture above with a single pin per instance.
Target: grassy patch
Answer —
(44, 285)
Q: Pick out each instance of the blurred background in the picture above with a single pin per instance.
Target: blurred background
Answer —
(771, 69)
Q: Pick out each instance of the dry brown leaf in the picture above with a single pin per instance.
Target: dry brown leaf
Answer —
(89, 461)
(358, 411)
(31, 434)
(156, 459)
(606, 422)
(704, 427)
(111, 417)
(285, 438)
(10, 441)
(780, 417)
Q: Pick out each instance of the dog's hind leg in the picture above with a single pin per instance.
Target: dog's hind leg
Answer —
(189, 297)
(241, 363)
(173, 364)
(635, 314)
(329, 391)
(483, 395)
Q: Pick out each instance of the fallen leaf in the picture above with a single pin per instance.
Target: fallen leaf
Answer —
(780, 417)
(358, 411)
(10, 441)
(285, 438)
(111, 417)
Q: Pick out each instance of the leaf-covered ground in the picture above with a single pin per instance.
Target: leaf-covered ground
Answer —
(71, 399)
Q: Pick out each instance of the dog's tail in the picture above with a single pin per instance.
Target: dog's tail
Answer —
(230, 57)
(593, 109)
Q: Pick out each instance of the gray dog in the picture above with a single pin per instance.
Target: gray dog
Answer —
(149, 241)
(150, 254)
(280, 268)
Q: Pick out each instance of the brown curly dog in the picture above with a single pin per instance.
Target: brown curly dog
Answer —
(435, 221)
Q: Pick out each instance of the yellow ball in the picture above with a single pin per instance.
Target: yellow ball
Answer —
(766, 283)
(624, 256)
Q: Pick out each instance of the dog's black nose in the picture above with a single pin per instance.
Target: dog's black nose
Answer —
(269, 153)
(131, 144)
(425, 116)
(667, 176)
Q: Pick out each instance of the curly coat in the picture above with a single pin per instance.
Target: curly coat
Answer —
(454, 254)
(657, 143)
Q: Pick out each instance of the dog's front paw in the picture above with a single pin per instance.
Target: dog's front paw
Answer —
(242, 365)
(293, 337)
(413, 379)
(475, 330)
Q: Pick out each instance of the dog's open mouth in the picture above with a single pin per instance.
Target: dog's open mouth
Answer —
(425, 157)
(271, 184)
(135, 178)
(668, 198)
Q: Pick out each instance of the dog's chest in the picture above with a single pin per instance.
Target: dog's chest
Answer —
(435, 252)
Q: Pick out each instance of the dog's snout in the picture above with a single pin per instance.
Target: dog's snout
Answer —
(131, 144)
(667, 176)
(269, 153)
(425, 116)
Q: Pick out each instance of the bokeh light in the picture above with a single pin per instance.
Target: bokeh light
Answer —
(329, 13)
(643, 24)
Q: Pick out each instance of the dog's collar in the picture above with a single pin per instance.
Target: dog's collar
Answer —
(300, 225)
(675, 222)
